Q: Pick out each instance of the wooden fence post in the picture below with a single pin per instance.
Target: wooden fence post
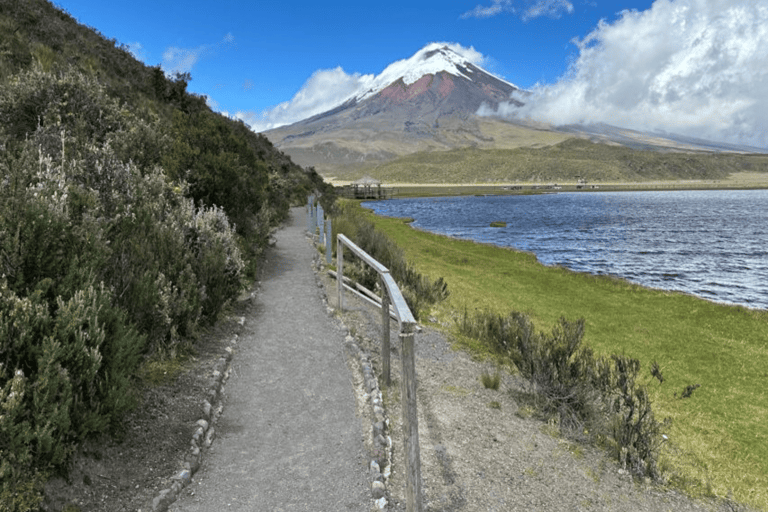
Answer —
(328, 241)
(410, 423)
(385, 332)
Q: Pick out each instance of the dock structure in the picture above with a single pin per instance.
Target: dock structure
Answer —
(365, 188)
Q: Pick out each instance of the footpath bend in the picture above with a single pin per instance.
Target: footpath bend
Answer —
(289, 438)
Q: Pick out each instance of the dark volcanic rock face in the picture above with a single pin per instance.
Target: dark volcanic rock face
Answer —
(438, 95)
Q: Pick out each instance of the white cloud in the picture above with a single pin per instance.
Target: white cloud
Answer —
(137, 50)
(694, 67)
(533, 9)
(497, 7)
(324, 90)
(549, 8)
(181, 60)
(329, 88)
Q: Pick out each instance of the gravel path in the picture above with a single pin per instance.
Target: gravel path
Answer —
(289, 437)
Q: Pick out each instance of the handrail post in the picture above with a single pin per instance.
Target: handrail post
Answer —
(320, 226)
(309, 214)
(410, 423)
(340, 272)
(319, 223)
(384, 332)
(328, 241)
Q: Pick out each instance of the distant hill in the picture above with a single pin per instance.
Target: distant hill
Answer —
(567, 161)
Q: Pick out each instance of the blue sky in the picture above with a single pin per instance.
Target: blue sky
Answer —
(687, 66)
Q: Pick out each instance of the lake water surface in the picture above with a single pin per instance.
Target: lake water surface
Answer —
(713, 244)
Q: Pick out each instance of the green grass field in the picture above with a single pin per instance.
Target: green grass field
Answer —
(718, 442)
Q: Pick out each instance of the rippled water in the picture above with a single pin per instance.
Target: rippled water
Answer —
(713, 244)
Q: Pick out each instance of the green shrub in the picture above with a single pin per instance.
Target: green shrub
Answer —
(100, 258)
(65, 374)
(585, 393)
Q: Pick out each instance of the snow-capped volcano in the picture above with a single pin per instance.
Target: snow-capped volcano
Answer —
(430, 60)
(448, 74)
(427, 101)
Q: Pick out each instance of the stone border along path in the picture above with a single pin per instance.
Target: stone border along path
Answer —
(304, 426)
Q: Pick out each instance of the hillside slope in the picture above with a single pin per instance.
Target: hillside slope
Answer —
(130, 215)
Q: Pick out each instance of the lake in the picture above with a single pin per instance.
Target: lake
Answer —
(713, 244)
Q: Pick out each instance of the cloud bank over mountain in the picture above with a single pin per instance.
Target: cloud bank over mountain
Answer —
(328, 88)
(693, 67)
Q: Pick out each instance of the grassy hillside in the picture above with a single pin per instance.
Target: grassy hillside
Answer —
(559, 162)
(367, 142)
(130, 213)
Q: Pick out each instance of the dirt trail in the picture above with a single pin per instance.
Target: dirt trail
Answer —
(289, 437)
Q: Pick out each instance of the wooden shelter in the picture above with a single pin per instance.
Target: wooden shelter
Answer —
(365, 188)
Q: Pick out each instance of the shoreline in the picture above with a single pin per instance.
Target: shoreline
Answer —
(737, 181)
(409, 221)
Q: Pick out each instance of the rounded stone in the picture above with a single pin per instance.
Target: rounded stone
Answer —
(378, 489)
(207, 409)
(182, 476)
(209, 437)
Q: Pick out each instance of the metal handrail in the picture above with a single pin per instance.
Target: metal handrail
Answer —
(403, 313)
(390, 293)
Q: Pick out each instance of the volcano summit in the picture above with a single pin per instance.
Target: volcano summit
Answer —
(426, 102)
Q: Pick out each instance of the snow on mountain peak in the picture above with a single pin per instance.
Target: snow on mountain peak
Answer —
(432, 59)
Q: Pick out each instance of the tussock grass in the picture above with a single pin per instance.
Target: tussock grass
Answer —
(491, 381)
(718, 441)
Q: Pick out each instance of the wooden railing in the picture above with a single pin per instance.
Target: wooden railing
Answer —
(392, 303)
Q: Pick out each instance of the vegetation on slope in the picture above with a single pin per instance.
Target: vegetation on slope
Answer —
(129, 215)
(561, 162)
